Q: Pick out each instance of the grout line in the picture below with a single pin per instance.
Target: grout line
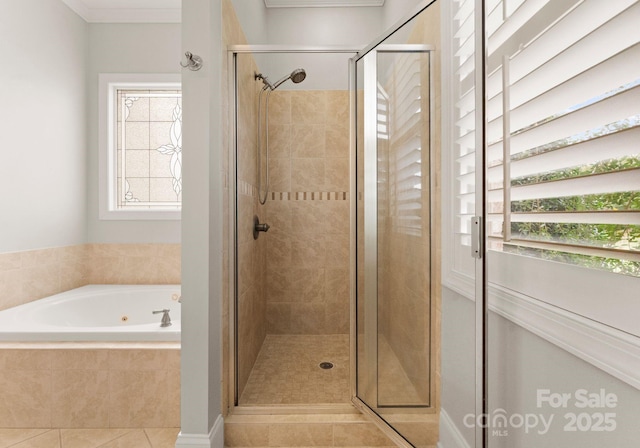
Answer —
(144, 431)
(33, 437)
(116, 438)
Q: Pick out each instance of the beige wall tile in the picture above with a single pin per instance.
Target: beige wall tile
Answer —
(246, 435)
(309, 251)
(280, 175)
(337, 107)
(280, 107)
(305, 434)
(25, 359)
(138, 398)
(89, 359)
(35, 258)
(279, 318)
(26, 398)
(309, 107)
(307, 140)
(138, 359)
(41, 280)
(80, 399)
(308, 318)
(279, 215)
(359, 434)
(11, 284)
(337, 140)
(10, 261)
(336, 174)
(307, 174)
(279, 140)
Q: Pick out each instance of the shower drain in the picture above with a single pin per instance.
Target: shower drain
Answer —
(326, 365)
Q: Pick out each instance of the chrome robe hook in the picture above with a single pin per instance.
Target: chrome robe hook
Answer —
(194, 62)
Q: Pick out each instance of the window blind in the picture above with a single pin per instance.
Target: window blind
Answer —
(563, 150)
(463, 98)
(403, 101)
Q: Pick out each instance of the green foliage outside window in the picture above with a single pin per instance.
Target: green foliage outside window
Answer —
(610, 236)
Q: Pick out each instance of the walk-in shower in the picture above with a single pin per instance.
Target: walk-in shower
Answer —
(296, 76)
(343, 277)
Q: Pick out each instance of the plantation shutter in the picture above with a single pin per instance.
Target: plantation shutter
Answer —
(464, 154)
(406, 141)
(563, 129)
(403, 138)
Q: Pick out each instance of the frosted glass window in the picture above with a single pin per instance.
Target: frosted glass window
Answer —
(149, 149)
(140, 146)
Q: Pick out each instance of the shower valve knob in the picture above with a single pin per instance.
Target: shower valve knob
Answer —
(257, 227)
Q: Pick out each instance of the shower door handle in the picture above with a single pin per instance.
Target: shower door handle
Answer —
(257, 227)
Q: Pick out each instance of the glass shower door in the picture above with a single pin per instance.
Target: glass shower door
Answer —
(405, 317)
(395, 294)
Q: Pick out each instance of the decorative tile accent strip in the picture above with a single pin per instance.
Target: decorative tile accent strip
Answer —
(309, 196)
(247, 189)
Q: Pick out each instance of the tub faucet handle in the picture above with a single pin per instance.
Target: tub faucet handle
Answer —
(166, 320)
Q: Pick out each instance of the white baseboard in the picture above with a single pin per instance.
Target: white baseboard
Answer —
(215, 438)
(450, 436)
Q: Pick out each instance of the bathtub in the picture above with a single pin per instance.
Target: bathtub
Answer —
(104, 313)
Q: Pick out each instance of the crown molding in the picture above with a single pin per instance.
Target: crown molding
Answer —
(124, 15)
(320, 3)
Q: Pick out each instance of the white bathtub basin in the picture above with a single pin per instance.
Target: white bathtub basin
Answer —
(96, 313)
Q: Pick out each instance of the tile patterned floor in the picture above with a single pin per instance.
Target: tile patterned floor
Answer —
(89, 438)
(287, 371)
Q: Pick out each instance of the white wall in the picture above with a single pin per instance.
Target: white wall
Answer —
(252, 15)
(394, 10)
(202, 217)
(520, 363)
(127, 48)
(311, 27)
(43, 125)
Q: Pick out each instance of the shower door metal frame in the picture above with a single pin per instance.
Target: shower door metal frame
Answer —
(481, 305)
(370, 218)
(232, 299)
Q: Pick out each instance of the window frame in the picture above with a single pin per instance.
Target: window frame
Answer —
(108, 84)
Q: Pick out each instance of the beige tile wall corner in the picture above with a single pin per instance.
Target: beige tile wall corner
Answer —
(251, 253)
(31, 275)
(308, 243)
(34, 274)
(90, 388)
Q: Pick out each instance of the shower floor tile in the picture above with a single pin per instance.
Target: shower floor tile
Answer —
(287, 371)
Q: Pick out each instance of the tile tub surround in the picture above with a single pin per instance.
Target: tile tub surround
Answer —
(31, 275)
(82, 385)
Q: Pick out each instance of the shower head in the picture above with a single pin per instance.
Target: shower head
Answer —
(296, 76)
